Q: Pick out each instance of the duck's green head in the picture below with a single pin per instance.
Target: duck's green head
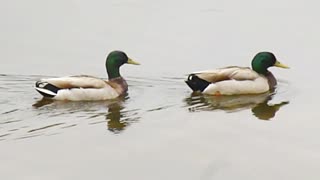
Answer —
(263, 60)
(116, 59)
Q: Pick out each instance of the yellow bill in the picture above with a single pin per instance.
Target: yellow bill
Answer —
(279, 64)
(130, 61)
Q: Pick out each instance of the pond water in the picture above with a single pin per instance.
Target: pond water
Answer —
(159, 130)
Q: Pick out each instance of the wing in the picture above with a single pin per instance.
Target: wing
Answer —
(227, 73)
(76, 82)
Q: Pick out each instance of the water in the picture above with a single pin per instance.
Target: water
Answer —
(159, 130)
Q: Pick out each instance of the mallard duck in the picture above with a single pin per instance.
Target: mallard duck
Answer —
(236, 80)
(88, 88)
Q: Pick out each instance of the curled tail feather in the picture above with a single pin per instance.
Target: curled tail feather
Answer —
(46, 89)
(196, 83)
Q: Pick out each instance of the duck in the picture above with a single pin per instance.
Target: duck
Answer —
(86, 87)
(235, 80)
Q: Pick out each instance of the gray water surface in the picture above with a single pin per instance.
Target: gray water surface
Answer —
(160, 129)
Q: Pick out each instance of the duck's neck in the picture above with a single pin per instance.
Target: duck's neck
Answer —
(261, 71)
(113, 71)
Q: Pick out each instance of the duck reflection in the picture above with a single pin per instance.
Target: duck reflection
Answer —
(259, 104)
(117, 116)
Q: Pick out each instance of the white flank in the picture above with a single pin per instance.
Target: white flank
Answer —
(87, 94)
(235, 87)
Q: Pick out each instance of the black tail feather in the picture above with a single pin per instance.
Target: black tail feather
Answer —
(46, 86)
(196, 84)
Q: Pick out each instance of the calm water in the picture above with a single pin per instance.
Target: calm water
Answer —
(159, 130)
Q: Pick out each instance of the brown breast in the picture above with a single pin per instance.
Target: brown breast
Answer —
(119, 84)
(271, 80)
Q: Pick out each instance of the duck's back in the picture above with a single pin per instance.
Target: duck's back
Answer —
(227, 73)
(80, 81)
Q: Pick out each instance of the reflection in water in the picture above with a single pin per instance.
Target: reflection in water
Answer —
(43, 102)
(257, 103)
(264, 111)
(117, 117)
(114, 118)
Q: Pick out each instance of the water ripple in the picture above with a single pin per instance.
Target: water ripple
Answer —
(45, 127)
(10, 111)
(25, 115)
